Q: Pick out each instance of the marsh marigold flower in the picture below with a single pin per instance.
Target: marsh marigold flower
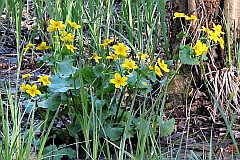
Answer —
(118, 80)
(192, 17)
(163, 65)
(214, 36)
(27, 75)
(70, 47)
(200, 48)
(112, 56)
(74, 25)
(217, 29)
(24, 87)
(55, 25)
(157, 70)
(221, 42)
(95, 57)
(121, 50)
(28, 46)
(179, 15)
(106, 42)
(128, 65)
(42, 46)
(44, 79)
(33, 91)
(143, 56)
(207, 30)
(68, 37)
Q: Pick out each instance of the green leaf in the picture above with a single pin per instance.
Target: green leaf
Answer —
(54, 101)
(167, 127)
(87, 74)
(204, 57)
(66, 68)
(54, 153)
(114, 133)
(59, 84)
(152, 76)
(98, 71)
(186, 55)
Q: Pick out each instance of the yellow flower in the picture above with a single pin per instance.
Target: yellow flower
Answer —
(178, 15)
(112, 56)
(150, 67)
(95, 57)
(143, 56)
(163, 65)
(157, 70)
(218, 29)
(44, 79)
(55, 25)
(27, 75)
(192, 17)
(118, 80)
(106, 42)
(24, 87)
(214, 36)
(68, 37)
(207, 30)
(128, 65)
(200, 48)
(221, 42)
(42, 46)
(74, 25)
(33, 91)
(63, 33)
(70, 47)
(121, 50)
(28, 46)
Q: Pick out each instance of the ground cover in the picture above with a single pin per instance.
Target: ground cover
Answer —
(116, 80)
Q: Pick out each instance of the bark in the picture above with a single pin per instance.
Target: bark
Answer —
(232, 9)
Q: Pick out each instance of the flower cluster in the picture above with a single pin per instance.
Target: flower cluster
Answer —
(183, 15)
(63, 35)
(120, 52)
(215, 34)
(33, 90)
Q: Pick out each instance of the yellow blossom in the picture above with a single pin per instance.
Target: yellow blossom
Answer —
(106, 42)
(28, 46)
(43, 46)
(157, 70)
(143, 56)
(44, 79)
(207, 30)
(221, 42)
(217, 29)
(121, 50)
(74, 25)
(118, 80)
(112, 56)
(24, 87)
(178, 15)
(55, 25)
(200, 48)
(192, 17)
(128, 65)
(150, 67)
(33, 91)
(70, 47)
(163, 65)
(27, 75)
(95, 57)
(68, 37)
(214, 36)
